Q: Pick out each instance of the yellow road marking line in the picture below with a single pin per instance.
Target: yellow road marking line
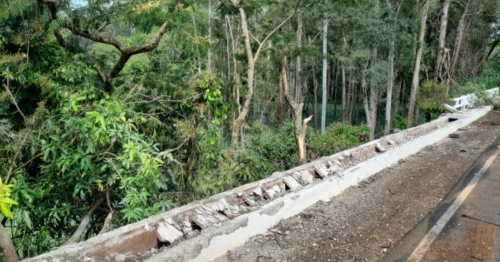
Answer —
(422, 248)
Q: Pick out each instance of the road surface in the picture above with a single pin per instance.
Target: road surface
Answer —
(466, 225)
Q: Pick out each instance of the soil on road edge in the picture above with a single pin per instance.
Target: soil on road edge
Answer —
(365, 221)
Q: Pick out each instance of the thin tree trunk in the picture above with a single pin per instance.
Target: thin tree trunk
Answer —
(85, 221)
(344, 94)
(238, 122)
(300, 125)
(458, 41)
(351, 97)
(373, 98)
(390, 81)
(334, 89)
(415, 82)
(209, 34)
(397, 94)
(366, 105)
(298, 66)
(228, 49)
(315, 92)
(323, 103)
(442, 38)
(6, 246)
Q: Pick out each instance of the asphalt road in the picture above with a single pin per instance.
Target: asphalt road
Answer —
(466, 225)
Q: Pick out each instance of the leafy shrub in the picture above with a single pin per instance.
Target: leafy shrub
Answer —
(278, 147)
(338, 137)
(431, 96)
(399, 122)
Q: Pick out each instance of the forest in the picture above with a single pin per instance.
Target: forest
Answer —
(115, 110)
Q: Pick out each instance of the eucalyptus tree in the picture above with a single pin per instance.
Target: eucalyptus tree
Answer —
(240, 7)
(418, 57)
(442, 37)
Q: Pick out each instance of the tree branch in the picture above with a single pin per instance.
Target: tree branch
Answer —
(259, 49)
(9, 173)
(84, 223)
(125, 52)
(14, 100)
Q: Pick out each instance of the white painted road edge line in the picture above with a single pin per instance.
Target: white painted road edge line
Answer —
(422, 248)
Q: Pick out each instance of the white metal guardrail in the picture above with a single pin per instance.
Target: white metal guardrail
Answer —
(469, 100)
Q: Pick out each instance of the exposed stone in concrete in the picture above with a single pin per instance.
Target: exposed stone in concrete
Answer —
(235, 209)
(167, 233)
(120, 257)
(220, 217)
(249, 201)
(321, 170)
(214, 206)
(304, 177)
(258, 191)
(380, 148)
(224, 203)
(291, 182)
(272, 192)
(392, 142)
(334, 169)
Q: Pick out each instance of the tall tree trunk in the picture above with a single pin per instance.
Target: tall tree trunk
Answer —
(397, 94)
(344, 93)
(315, 94)
(390, 81)
(351, 96)
(6, 246)
(334, 89)
(298, 66)
(373, 97)
(366, 105)
(228, 49)
(209, 34)
(458, 41)
(300, 125)
(442, 38)
(416, 70)
(238, 122)
(323, 103)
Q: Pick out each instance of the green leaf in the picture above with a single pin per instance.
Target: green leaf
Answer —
(5, 210)
(8, 201)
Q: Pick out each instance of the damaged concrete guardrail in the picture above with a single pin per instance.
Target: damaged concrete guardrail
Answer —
(469, 100)
(206, 229)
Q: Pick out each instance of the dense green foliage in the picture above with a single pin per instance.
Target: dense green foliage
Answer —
(130, 105)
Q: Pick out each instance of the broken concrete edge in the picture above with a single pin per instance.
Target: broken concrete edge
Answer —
(262, 203)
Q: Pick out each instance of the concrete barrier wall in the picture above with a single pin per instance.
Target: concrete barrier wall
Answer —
(206, 229)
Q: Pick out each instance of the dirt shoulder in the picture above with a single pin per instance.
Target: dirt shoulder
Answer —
(367, 220)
